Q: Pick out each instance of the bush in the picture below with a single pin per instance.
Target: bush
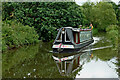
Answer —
(112, 32)
(100, 14)
(46, 17)
(15, 34)
(95, 31)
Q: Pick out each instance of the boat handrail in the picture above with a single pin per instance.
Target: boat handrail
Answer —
(77, 29)
(85, 29)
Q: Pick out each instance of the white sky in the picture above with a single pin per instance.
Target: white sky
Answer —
(80, 2)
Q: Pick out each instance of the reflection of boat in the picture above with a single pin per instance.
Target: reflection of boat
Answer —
(67, 64)
(72, 39)
(71, 63)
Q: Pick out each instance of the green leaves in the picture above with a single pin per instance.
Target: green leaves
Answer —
(101, 15)
(112, 32)
(45, 17)
(16, 34)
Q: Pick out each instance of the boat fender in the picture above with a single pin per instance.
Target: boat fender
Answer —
(59, 49)
(60, 45)
(59, 60)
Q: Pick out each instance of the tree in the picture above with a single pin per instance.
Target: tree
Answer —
(101, 15)
(118, 14)
(117, 10)
(88, 11)
(46, 17)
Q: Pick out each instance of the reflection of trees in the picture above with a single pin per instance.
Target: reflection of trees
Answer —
(105, 54)
(33, 61)
(12, 58)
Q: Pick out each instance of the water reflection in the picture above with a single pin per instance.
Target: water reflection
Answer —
(35, 61)
(98, 69)
(88, 64)
(71, 63)
(68, 64)
(30, 62)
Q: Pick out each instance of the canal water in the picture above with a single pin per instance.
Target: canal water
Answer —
(36, 61)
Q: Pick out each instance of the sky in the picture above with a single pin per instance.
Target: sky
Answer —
(80, 2)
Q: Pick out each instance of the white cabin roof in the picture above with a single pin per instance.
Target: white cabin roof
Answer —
(74, 29)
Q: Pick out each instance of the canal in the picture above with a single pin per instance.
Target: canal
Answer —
(36, 61)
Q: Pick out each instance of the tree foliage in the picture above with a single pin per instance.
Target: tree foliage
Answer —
(105, 17)
(100, 14)
(46, 17)
(112, 31)
(15, 35)
(117, 11)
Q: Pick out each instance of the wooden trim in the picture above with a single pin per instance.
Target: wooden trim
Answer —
(78, 38)
(74, 37)
(78, 35)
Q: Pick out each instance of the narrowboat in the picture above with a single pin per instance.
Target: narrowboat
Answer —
(72, 40)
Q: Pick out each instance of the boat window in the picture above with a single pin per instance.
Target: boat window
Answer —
(66, 37)
(85, 35)
(60, 37)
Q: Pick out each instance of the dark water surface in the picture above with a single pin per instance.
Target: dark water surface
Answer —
(36, 61)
